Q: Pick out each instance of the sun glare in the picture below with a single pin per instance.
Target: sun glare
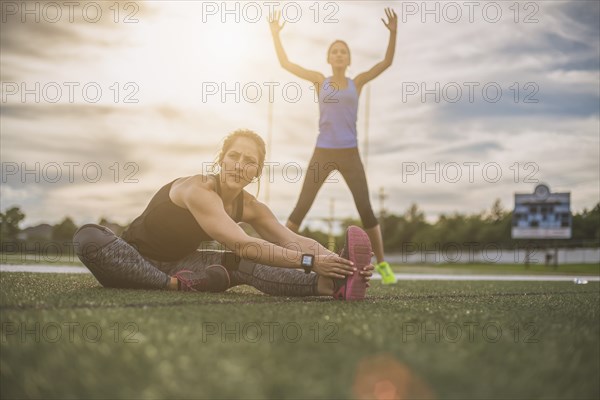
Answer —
(180, 57)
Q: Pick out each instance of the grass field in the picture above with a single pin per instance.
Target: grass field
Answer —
(33, 259)
(63, 336)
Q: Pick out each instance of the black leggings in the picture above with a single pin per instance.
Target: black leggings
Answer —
(322, 163)
(117, 264)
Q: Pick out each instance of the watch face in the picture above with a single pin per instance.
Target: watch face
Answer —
(307, 259)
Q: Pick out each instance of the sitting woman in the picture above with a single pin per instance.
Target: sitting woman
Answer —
(159, 250)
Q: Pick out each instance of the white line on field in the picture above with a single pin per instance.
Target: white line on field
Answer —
(64, 269)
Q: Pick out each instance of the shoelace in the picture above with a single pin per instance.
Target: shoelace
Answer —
(190, 283)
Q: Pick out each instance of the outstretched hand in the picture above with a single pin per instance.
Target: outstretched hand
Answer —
(274, 22)
(392, 23)
(367, 273)
(333, 266)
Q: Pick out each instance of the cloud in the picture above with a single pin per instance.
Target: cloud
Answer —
(482, 148)
(171, 131)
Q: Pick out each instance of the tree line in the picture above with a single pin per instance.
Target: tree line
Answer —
(406, 232)
(410, 232)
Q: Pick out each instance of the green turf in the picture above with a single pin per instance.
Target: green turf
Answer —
(34, 259)
(159, 344)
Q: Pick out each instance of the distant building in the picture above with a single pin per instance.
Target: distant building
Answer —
(39, 232)
(542, 215)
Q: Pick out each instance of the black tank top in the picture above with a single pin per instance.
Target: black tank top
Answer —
(167, 232)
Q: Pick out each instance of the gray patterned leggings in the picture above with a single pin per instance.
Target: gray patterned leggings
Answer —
(117, 264)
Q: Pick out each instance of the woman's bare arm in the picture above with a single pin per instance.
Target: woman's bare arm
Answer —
(207, 208)
(392, 24)
(264, 222)
(313, 76)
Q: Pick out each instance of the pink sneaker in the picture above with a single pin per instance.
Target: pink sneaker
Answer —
(216, 280)
(357, 250)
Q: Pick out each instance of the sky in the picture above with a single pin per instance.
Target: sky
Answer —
(105, 102)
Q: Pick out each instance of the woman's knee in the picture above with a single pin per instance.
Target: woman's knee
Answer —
(91, 238)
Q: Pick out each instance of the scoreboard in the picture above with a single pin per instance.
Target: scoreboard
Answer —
(542, 215)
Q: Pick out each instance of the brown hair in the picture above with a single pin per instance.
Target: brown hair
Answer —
(255, 137)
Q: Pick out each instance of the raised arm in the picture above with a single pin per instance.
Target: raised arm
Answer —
(391, 25)
(313, 76)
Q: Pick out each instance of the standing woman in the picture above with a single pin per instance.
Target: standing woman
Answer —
(337, 145)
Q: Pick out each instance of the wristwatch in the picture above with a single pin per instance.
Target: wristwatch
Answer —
(307, 261)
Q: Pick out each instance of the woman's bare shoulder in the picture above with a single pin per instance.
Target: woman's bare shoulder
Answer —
(252, 207)
(194, 185)
(199, 181)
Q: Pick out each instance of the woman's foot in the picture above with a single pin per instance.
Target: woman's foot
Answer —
(215, 280)
(387, 275)
(357, 250)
